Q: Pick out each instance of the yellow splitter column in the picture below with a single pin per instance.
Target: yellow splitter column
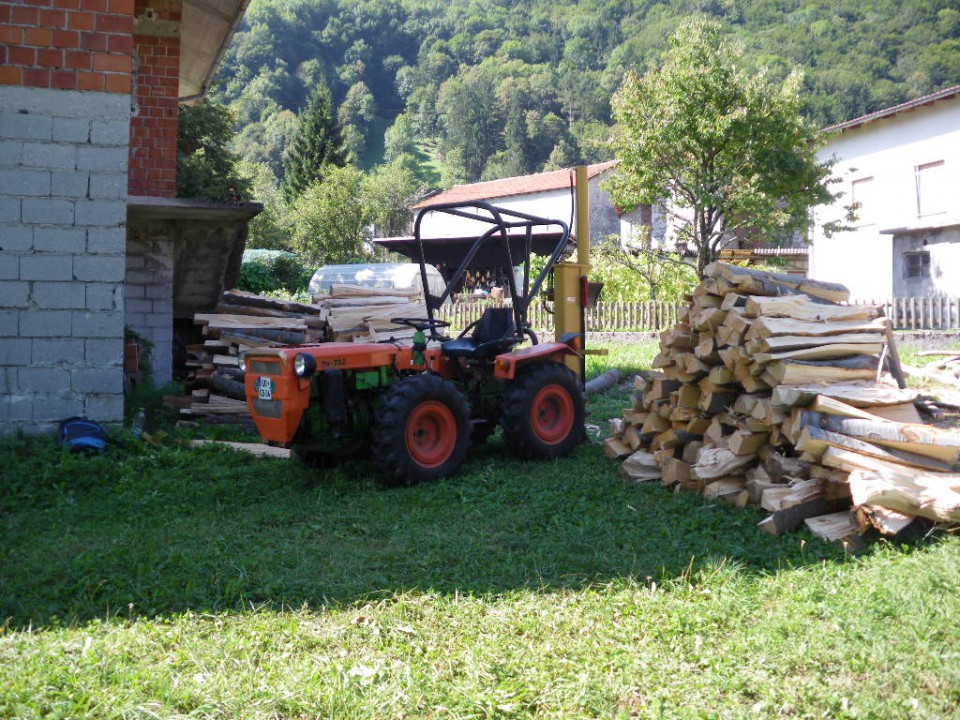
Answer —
(568, 277)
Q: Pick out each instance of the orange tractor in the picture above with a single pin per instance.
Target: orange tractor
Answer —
(416, 407)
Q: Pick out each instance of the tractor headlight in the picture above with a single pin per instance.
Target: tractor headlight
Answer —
(304, 365)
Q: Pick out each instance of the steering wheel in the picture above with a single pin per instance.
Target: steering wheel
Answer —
(421, 324)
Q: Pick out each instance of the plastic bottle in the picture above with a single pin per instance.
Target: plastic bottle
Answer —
(139, 421)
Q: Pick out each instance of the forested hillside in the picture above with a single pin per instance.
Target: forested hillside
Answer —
(462, 90)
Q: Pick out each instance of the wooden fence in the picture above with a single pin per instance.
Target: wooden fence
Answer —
(603, 317)
(922, 313)
(653, 316)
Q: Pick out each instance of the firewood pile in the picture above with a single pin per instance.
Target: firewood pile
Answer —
(770, 391)
(242, 321)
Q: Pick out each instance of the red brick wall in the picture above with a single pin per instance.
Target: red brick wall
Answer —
(153, 127)
(67, 44)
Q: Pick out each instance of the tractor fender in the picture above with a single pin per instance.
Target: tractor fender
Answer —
(507, 364)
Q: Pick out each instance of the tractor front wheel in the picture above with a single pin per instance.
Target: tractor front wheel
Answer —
(421, 430)
(543, 412)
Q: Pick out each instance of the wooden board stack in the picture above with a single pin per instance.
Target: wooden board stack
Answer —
(349, 313)
(770, 391)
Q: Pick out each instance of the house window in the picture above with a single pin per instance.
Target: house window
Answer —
(863, 195)
(916, 264)
(931, 188)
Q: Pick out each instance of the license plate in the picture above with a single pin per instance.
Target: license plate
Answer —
(265, 388)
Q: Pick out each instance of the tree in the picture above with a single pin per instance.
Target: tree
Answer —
(629, 270)
(271, 228)
(206, 167)
(330, 219)
(315, 146)
(356, 114)
(722, 148)
(472, 119)
(400, 138)
(265, 142)
(388, 192)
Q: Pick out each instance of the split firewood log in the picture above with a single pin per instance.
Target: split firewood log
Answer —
(929, 495)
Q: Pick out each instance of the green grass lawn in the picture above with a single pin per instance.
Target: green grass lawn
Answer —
(167, 582)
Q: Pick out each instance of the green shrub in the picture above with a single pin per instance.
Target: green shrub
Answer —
(265, 271)
(257, 278)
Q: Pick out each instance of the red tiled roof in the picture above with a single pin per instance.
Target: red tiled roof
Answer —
(896, 109)
(523, 185)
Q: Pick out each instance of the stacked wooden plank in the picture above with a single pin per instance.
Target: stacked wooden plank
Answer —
(770, 391)
(245, 320)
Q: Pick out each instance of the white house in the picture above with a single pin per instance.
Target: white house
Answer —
(901, 169)
(548, 195)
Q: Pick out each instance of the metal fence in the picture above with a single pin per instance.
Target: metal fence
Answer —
(653, 316)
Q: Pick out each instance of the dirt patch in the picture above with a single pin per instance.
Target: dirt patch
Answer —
(928, 339)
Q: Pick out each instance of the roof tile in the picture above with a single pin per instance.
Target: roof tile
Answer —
(506, 187)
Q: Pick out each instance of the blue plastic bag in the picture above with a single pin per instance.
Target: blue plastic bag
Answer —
(80, 435)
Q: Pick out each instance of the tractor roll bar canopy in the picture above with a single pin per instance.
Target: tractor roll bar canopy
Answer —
(510, 240)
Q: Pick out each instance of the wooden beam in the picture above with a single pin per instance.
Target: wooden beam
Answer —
(923, 440)
(750, 281)
(764, 327)
(922, 495)
(816, 440)
(858, 394)
(800, 307)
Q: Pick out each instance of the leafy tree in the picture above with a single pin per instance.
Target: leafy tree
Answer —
(271, 228)
(563, 155)
(356, 113)
(400, 138)
(265, 142)
(472, 118)
(206, 167)
(331, 218)
(315, 146)
(389, 192)
(636, 269)
(717, 144)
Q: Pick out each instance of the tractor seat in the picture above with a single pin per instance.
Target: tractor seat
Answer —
(493, 334)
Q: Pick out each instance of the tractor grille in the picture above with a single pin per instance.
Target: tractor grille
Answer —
(268, 408)
(264, 367)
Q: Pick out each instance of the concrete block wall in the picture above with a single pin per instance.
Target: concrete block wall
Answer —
(148, 292)
(63, 178)
(208, 255)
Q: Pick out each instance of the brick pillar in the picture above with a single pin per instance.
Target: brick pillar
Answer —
(153, 127)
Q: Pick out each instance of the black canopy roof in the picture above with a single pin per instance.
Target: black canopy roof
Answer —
(450, 251)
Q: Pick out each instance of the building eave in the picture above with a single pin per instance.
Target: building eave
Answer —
(937, 222)
(206, 29)
(910, 105)
(159, 208)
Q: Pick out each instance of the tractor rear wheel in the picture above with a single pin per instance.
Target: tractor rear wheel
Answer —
(421, 430)
(543, 412)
